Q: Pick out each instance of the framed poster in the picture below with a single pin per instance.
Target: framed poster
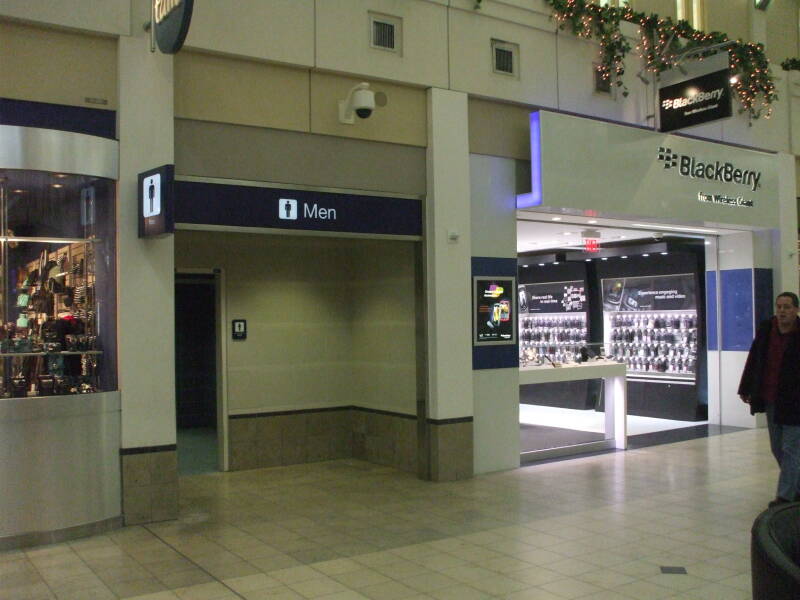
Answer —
(553, 297)
(494, 310)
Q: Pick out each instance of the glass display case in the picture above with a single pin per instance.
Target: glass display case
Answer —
(57, 239)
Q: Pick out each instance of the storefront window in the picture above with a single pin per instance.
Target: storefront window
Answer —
(57, 235)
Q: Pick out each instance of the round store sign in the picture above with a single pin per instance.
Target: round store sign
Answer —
(172, 19)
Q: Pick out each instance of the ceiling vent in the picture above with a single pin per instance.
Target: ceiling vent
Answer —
(505, 58)
(385, 32)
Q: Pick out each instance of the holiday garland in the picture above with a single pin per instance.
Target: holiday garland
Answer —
(661, 40)
(791, 64)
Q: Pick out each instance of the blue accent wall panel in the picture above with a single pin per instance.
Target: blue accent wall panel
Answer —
(44, 115)
(495, 357)
(736, 292)
(711, 310)
(763, 294)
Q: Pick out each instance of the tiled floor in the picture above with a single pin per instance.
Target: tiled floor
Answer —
(593, 528)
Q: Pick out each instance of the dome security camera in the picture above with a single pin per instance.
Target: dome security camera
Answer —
(360, 102)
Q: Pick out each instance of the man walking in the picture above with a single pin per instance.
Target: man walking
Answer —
(771, 383)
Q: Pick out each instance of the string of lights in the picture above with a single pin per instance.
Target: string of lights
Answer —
(660, 45)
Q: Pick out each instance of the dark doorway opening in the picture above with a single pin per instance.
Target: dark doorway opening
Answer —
(196, 373)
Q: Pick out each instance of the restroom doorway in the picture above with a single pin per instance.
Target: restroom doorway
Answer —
(196, 398)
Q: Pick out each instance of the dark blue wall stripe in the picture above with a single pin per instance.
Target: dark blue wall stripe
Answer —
(711, 310)
(495, 357)
(736, 292)
(763, 294)
(487, 266)
(78, 119)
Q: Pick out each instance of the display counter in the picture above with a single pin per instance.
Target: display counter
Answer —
(613, 376)
(59, 464)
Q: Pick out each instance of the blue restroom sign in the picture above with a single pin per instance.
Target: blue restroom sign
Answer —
(202, 203)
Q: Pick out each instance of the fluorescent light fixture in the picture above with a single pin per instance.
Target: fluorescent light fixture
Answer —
(674, 228)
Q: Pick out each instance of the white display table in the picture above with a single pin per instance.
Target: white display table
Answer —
(613, 375)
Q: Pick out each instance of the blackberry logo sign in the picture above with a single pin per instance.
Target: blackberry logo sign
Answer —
(689, 166)
(669, 158)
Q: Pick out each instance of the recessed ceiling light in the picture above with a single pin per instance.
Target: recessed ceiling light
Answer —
(588, 260)
(555, 263)
(674, 228)
(624, 257)
(57, 185)
(567, 233)
(645, 255)
(556, 219)
(525, 266)
(541, 264)
(593, 221)
(604, 258)
(18, 191)
(664, 253)
(61, 175)
(708, 243)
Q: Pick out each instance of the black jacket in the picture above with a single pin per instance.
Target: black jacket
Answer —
(787, 403)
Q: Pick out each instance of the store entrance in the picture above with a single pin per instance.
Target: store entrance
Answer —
(196, 373)
(622, 294)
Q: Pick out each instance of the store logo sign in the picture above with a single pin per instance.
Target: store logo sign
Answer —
(287, 209)
(171, 19)
(162, 8)
(696, 98)
(725, 172)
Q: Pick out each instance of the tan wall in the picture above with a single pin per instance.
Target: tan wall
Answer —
(730, 16)
(231, 90)
(499, 129)
(663, 8)
(57, 66)
(783, 37)
(313, 307)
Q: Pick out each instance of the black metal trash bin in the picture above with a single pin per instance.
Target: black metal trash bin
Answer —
(775, 553)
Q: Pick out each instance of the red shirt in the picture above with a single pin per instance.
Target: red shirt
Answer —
(772, 372)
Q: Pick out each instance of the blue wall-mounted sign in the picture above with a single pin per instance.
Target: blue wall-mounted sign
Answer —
(201, 203)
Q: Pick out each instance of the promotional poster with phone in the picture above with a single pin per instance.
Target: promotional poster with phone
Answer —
(494, 308)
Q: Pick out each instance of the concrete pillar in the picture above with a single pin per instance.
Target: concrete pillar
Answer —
(146, 284)
(447, 247)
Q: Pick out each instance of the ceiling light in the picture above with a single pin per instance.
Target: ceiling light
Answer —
(604, 258)
(671, 228)
(525, 266)
(621, 237)
(645, 255)
(588, 260)
(567, 233)
(593, 221)
(664, 253)
(708, 243)
(61, 175)
(555, 263)
(57, 185)
(556, 219)
(624, 257)
(541, 264)
(18, 191)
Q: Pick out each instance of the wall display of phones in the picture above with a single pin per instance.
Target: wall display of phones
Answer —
(652, 326)
(552, 323)
(57, 272)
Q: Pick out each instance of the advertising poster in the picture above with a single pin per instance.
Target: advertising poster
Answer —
(552, 297)
(494, 309)
(663, 292)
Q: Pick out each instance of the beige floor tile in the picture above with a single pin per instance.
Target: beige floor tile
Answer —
(337, 566)
(360, 578)
(644, 589)
(137, 587)
(498, 585)
(459, 592)
(156, 596)
(251, 582)
(532, 594)
(392, 590)
(276, 593)
(314, 588)
(570, 588)
(203, 591)
(296, 575)
(606, 578)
